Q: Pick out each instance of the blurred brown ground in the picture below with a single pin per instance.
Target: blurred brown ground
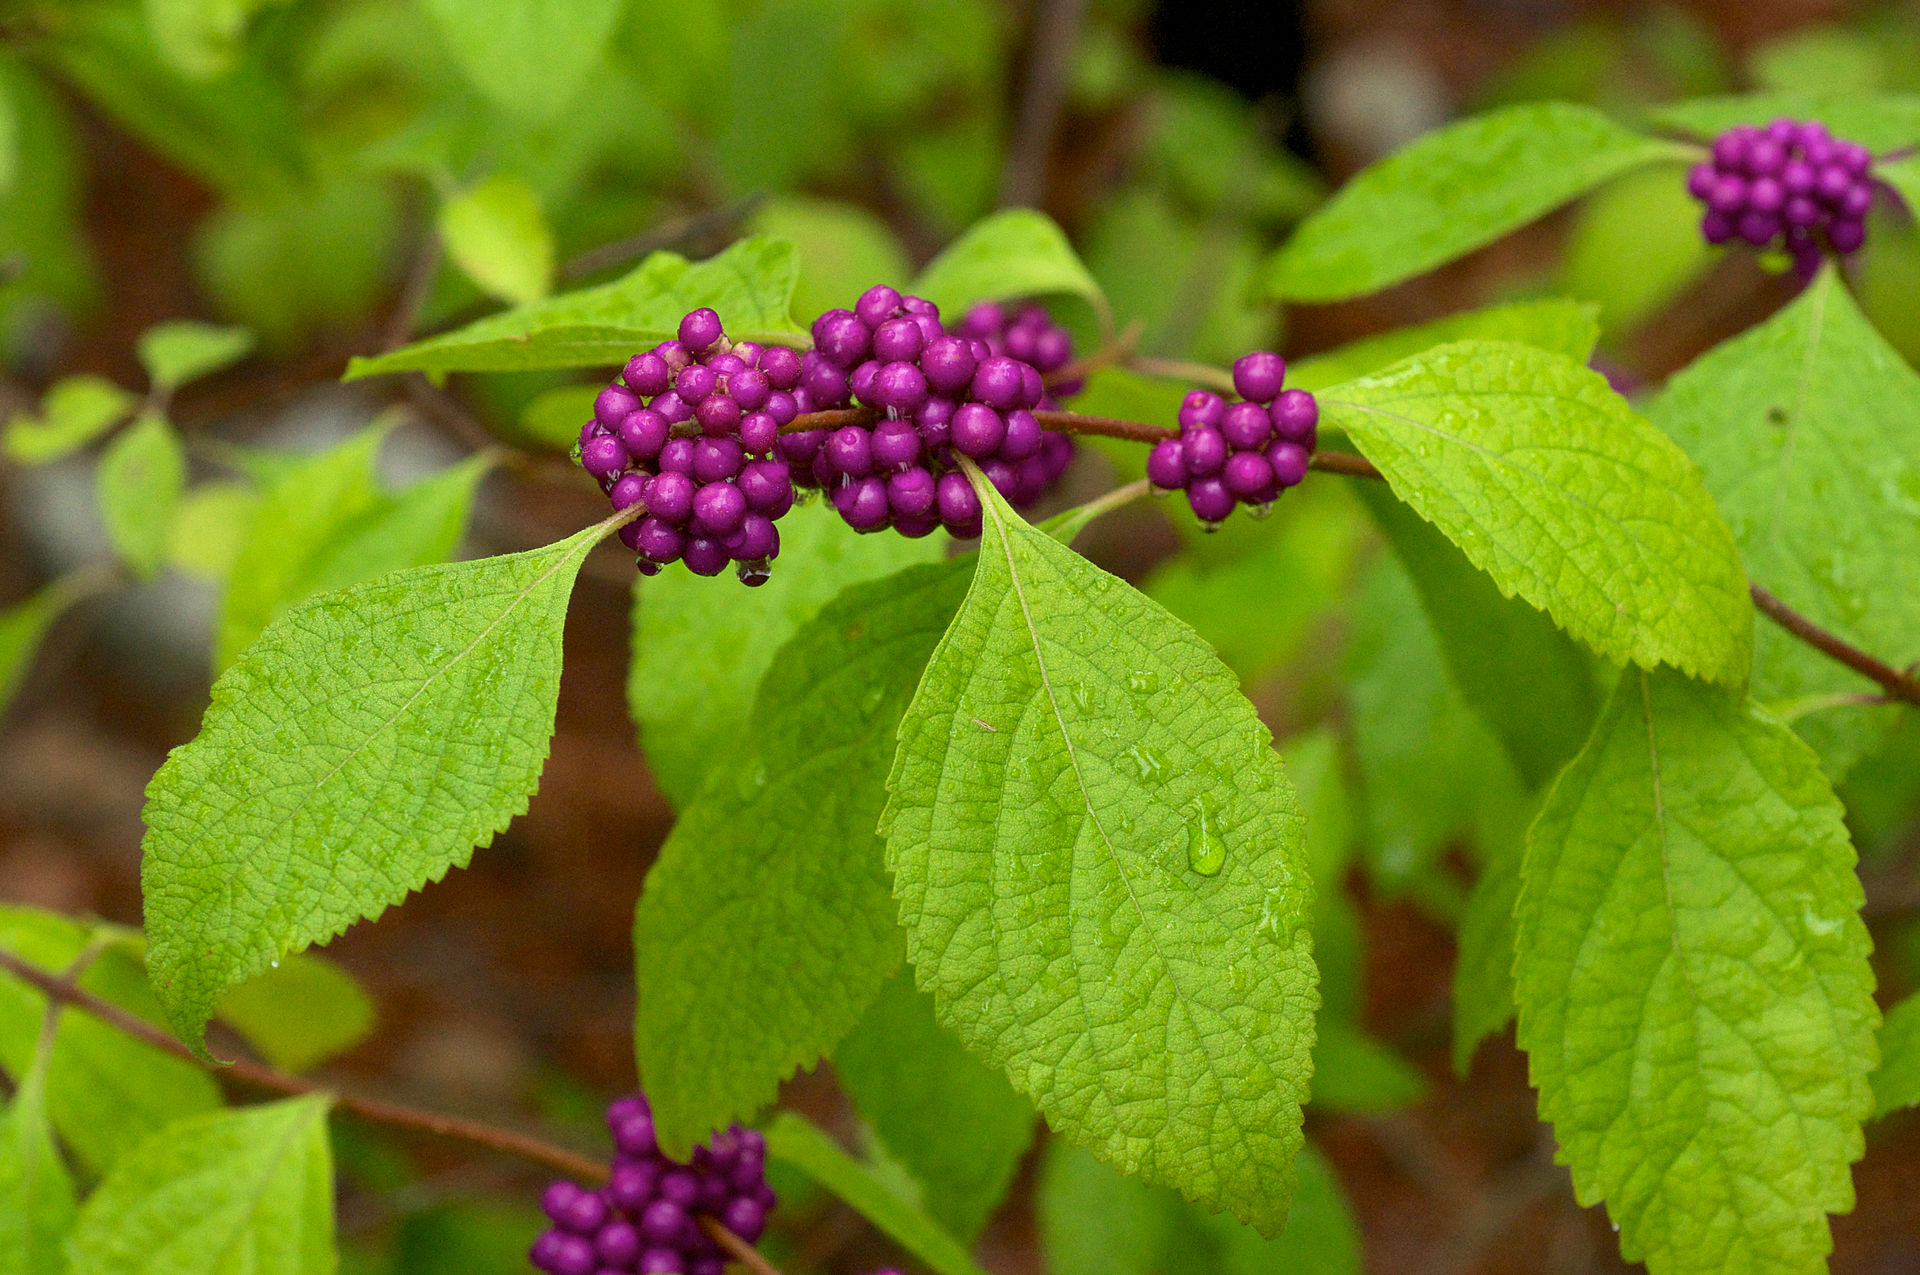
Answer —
(520, 967)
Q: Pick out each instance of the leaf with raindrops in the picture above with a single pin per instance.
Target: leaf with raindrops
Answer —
(1101, 869)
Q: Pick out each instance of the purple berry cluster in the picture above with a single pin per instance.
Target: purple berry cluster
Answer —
(1027, 333)
(644, 1218)
(941, 395)
(1789, 181)
(1243, 452)
(690, 428)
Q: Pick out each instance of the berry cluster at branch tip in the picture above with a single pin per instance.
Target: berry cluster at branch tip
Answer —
(689, 428)
(1789, 182)
(942, 395)
(1247, 451)
(645, 1219)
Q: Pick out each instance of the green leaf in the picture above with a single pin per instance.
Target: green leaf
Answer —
(74, 412)
(1530, 683)
(530, 57)
(24, 624)
(1807, 428)
(1554, 487)
(1897, 1083)
(37, 1203)
(300, 1013)
(326, 523)
(209, 529)
(138, 485)
(9, 141)
(105, 1091)
(1450, 192)
(1883, 122)
(1013, 253)
(230, 1191)
(364, 745)
(496, 233)
(781, 845)
(1353, 1072)
(1564, 327)
(698, 652)
(750, 285)
(1483, 970)
(1647, 217)
(182, 351)
(200, 38)
(955, 1123)
(1904, 176)
(1314, 765)
(555, 416)
(1094, 1221)
(1099, 863)
(794, 1140)
(844, 249)
(1692, 977)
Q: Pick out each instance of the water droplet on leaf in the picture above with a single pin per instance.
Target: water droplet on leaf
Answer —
(1206, 849)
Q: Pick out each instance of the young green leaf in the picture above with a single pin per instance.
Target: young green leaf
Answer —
(1897, 1083)
(37, 1204)
(201, 38)
(138, 486)
(956, 1124)
(1094, 1221)
(750, 285)
(364, 745)
(1807, 428)
(1531, 684)
(1099, 863)
(1353, 1072)
(1692, 977)
(1483, 969)
(1650, 217)
(781, 845)
(1554, 487)
(74, 412)
(1014, 253)
(244, 1190)
(24, 624)
(327, 523)
(210, 527)
(530, 57)
(1450, 192)
(1314, 764)
(181, 351)
(698, 652)
(1564, 327)
(794, 1140)
(1883, 122)
(555, 416)
(105, 1091)
(844, 248)
(300, 1013)
(1904, 176)
(496, 233)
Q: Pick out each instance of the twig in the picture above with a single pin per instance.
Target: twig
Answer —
(741, 1251)
(1118, 350)
(1898, 685)
(413, 295)
(1056, 30)
(666, 235)
(1216, 378)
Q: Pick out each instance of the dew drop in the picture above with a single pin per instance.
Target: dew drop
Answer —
(1151, 762)
(871, 700)
(1206, 849)
(1261, 511)
(1082, 696)
(1143, 682)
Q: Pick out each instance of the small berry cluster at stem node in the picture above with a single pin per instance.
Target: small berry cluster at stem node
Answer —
(689, 430)
(941, 395)
(1790, 183)
(646, 1218)
(1247, 451)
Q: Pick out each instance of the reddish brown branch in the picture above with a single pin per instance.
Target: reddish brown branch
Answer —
(1898, 685)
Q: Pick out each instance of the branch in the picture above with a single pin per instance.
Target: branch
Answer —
(1898, 685)
(1056, 29)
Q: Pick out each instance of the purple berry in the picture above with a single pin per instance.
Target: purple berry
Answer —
(745, 1218)
(999, 383)
(670, 498)
(718, 415)
(603, 457)
(647, 374)
(716, 459)
(898, 340)
(841, 338)
(1247, 425)
(1023, 436)
(911, 492)
(700, 329)
(631, 1184)
(895, 444)
(782, 366)
(677, 456)
(948, 364)
(977, 430)
(959, 504)
(750, 388)
(1206, 451)
(672, 408)
(718, 508)
(849, 450)
(627, 491)
(584, 1214)
(573, 1255)
(613, 403)
(1847, 236)
(862, 504)
(1296, 415)
(1201, 408)
(767, 487)
(1288, 462)
(876, 305)
(899, 387)
(757, 538)
(1246, 474)
(705, 557)
(662, 1261)
(1258, 376)
(759, 432)
(643, 433)
(618, 1244)
(1210, 500)
(1167, 465)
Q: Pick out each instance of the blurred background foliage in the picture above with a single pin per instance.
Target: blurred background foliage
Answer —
(330, 176)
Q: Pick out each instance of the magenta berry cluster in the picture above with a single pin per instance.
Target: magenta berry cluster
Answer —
(1242, 452)
(1026, 332)
(689, 429)
(1790, 181)
(940, 396)
(646, 1218)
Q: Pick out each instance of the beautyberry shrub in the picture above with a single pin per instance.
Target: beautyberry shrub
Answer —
(689, 430)
(1790, 182)
(940, 395)
(646, 1218)
(1247, 451)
